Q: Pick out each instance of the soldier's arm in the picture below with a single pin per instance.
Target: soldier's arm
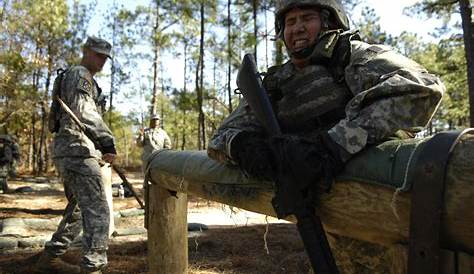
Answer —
(7, 156)
(81, 102)
(391, 93)
(16, 151)
(140, 139)
(241, 119)
(167, 141)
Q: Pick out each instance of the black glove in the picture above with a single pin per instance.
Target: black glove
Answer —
(305, 168)
(307, 160)
(253, 154)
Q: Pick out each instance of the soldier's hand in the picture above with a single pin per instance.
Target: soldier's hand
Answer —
(307, 160)
(109, 157)
(253, 155)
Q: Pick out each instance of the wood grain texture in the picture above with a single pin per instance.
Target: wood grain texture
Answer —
(168, 244)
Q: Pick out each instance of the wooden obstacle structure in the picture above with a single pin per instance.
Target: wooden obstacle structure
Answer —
(369, 212)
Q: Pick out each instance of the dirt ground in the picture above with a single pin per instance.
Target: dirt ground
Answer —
(220, 249)
(226, 247)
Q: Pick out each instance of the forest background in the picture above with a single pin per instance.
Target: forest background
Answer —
(203, 42)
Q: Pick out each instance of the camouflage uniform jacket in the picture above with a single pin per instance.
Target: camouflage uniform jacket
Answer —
(379, 93)
(153, 139)
(6, 153)
(81, 93)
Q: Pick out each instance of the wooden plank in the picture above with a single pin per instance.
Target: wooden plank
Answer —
(465, 263)
(399, 257)
(167, 232)
(447, 262)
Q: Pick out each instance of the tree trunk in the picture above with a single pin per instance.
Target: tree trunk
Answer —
(156, 51)
(468, 28)
(162, 102)
(125, 146)
(255, 29)
(229, 56)
(183, 142)
(33, 141)
(112, 73)
(199, 86)
(43, 148)
(36, 77)
(42, 142)
(266, 35)
(185, 90)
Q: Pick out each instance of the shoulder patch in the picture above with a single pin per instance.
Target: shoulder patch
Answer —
(84, 85)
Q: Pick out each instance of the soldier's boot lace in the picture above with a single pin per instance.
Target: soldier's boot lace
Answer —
(51, 264)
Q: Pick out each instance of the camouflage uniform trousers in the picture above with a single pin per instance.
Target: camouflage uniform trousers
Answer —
(87, 209)
(3, 177)
(12, 170)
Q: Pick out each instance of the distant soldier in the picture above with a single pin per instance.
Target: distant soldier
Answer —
(16, 157)
(6, 158)
(153, 138)
(79, 164)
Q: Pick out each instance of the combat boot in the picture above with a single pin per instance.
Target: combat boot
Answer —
(51, 264)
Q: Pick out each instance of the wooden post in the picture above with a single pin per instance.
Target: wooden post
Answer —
(167, 231)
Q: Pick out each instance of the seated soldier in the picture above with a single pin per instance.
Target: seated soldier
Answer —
(333, 98)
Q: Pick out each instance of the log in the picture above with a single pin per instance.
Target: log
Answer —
(365, 209)
(168, 244)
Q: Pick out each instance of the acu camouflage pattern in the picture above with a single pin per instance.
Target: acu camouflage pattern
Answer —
(387, 93)
(153, 139)
(16, 158)
(6, 158)
(87, 210)
(81, 93)
(76, 160)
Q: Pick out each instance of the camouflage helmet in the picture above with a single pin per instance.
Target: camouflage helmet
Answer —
(333, 6)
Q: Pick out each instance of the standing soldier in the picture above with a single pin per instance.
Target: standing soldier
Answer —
(78, 163)
(153, 138)
(16, 157)
(6, 158)
(335, 96)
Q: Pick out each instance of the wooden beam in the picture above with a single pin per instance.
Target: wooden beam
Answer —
(362, 211)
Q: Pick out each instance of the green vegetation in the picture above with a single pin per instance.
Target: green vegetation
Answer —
(38, 37)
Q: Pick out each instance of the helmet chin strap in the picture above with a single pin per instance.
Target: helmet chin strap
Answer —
(303, 53)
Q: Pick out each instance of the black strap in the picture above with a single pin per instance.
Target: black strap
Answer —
(427, 199)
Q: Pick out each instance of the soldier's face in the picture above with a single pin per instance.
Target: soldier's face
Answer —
(94, 61)
(99, 60)
(154, 123)
(302, 27)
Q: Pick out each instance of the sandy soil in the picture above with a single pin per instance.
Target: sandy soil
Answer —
(234, 242)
